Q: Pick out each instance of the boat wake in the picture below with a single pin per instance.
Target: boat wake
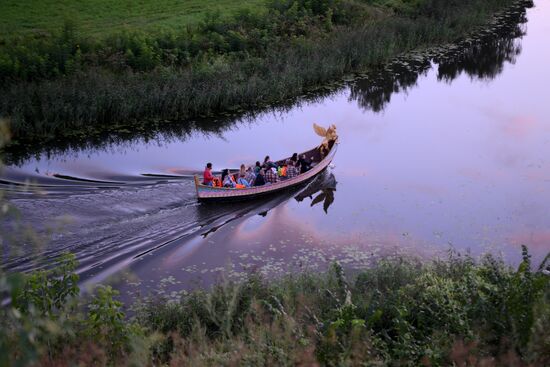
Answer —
(112, 222)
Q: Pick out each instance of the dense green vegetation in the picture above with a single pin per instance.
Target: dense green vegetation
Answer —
(401, 312)
(67, 83)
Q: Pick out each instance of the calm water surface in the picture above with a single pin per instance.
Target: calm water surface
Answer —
(457, 156)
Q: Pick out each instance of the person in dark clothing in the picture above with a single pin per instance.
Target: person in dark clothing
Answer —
(305, 164)
(269, 163)
(258, 167)
(294, 159)
(260, 179)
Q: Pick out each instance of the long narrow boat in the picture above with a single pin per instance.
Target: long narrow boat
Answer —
(319, 163)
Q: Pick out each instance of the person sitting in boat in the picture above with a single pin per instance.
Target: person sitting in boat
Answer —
(258, 167)
(269, 163)
(227, 179)
(291, 170)
(271, 175)
(294, 159)
(208, 177)
(241, 180)
(260, 178)
(305, 164)
(250, 176)
(281, 171)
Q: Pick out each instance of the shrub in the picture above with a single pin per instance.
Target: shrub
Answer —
(48, 291)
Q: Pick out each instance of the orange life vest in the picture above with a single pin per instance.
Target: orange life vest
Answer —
(216, 182)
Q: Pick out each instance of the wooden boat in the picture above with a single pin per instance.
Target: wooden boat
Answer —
(320, 161)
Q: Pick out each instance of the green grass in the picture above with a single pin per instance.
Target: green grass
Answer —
(102, 17)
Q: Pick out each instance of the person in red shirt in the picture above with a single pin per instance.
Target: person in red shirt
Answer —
(208, 178)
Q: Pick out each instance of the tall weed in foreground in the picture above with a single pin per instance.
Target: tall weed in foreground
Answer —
(400, 312)
(44, 323)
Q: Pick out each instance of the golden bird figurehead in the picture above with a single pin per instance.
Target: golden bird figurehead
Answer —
(329, 135)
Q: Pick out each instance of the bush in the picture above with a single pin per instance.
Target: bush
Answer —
(399, 312)
(48, 291)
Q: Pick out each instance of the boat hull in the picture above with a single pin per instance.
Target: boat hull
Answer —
(208, 193)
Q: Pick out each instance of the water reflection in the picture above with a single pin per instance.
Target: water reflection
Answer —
(374, 92)
(216, 215)
(118, 140)
(213, 216)
(483, 62)
(323, 187)
(485, 59)
(482, 57)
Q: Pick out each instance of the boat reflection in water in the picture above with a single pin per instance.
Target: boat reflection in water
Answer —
(213, 216)
(323, 187)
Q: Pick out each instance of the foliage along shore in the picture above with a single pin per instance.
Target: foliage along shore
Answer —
(67, 85)
(400, 313)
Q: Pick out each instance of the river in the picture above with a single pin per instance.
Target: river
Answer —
(446, 155)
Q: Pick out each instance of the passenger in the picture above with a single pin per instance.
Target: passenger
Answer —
(269, 163)
(250, 176)
(258, 167)
(281, 171)
(294, 159)
(224, 173)
(260, 179)
(291, 170)
(241, 180)
(305, 164)
(227, 179)
(208, 178)
(271, 175)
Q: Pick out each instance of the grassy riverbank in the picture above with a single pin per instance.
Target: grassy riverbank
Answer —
(68, 84)
(99, 18)
(401, 312)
